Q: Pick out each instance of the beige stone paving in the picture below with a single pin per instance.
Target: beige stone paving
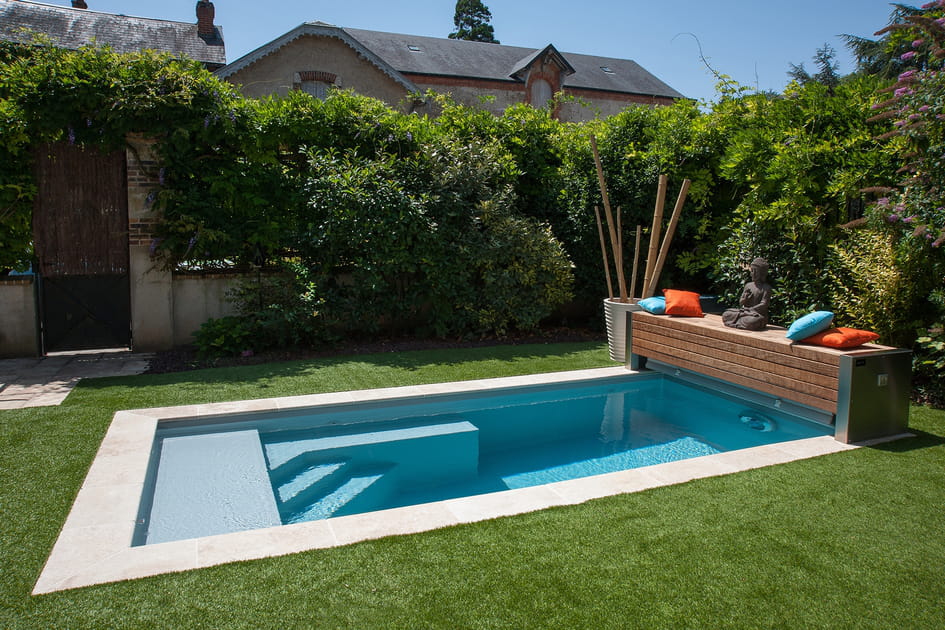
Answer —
(46, 381)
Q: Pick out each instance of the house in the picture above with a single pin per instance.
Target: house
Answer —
(398, 69)
(76, 26)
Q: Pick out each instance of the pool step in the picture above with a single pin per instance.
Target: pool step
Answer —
(314, 450)
(309, 484)
(210, 484)
(355, 472)
(359, 491)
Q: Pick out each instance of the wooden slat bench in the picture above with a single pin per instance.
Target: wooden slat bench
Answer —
(767, 362)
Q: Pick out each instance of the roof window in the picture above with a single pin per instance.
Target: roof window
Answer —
(607, 69)
(413, 48)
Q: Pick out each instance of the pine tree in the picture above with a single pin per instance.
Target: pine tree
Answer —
(884, 56)
(828, 71)
(472, 20)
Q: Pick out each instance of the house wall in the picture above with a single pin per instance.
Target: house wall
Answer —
(470, 92)
(18, 334)
(591, 103)
(275, 73)
(587, 105)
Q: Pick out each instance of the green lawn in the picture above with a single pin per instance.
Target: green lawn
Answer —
(853, 540)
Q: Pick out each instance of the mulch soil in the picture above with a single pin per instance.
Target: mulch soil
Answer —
(186, 358)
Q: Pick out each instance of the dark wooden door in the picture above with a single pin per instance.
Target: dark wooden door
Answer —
(80, 234)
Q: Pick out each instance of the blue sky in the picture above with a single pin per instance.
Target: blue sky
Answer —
(753, 41)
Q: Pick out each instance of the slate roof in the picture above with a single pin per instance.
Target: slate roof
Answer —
(466, 59)
(71, 28)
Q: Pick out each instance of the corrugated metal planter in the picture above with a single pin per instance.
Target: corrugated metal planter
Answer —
(615, 316)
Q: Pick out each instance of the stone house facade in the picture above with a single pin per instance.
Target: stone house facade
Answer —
(398, 69)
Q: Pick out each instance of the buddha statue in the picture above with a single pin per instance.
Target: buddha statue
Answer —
(752, 311)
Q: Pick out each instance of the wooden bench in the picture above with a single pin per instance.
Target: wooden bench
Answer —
(864, 391)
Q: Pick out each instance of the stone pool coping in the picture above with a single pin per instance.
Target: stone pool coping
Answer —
(94, 545)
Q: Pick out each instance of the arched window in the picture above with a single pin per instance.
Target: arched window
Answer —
(315, 82)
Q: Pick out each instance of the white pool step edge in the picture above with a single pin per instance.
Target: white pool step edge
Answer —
(94, 545)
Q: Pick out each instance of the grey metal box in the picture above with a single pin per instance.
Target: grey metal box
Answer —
(873, 395)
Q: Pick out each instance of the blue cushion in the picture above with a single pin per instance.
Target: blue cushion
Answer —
(655, 305)
(810, 324)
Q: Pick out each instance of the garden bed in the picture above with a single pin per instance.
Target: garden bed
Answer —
(186, 358)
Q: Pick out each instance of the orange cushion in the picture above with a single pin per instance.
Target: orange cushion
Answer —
(841, 337)
(682, 303)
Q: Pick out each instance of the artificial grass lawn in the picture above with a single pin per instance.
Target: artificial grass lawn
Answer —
(847, 540)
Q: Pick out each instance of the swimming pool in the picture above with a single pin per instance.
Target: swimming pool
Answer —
(249, 471)
(95, 545)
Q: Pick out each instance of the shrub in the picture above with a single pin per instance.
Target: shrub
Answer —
(869, 289)
(224, 336)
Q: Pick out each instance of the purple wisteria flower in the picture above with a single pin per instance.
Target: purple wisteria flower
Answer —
(918, 42)
(409, 137)
(161, 176)
(908, 74)
(910, 219)
(907, 55)
(892, 218)
(71, 135)
(882, 202)
(924, 108)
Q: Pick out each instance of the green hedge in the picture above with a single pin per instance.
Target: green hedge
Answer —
(469, 223)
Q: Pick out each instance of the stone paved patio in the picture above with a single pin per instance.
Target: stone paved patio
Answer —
(46, 381)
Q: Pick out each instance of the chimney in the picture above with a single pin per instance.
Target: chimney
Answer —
(79, 4)
(205, 13)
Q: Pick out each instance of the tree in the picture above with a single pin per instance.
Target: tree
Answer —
(883, 56)
(827, 68)
(472, 20)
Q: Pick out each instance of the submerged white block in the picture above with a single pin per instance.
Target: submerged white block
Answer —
(211, 484)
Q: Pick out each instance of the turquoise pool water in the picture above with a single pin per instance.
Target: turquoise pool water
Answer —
(260, 470)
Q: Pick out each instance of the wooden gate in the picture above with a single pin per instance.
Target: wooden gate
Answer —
(80, 235)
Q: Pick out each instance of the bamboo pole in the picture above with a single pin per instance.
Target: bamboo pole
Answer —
(603, 251)
(621, 281)
(654, 235)
(618, 253)
(668, 238)
(636, 260)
